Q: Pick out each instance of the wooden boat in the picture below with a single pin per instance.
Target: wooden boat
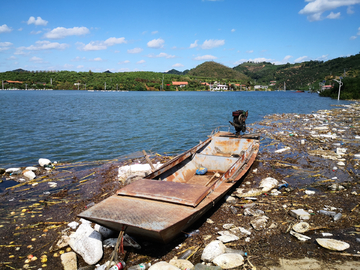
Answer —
(169, 200)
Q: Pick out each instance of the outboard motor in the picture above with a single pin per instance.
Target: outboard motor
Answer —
(239, 118)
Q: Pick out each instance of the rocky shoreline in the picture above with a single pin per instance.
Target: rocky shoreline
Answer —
(314, 158)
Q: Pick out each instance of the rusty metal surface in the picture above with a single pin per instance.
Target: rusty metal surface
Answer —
(187, 194)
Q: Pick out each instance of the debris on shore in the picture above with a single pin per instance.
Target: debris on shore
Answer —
(299, 200)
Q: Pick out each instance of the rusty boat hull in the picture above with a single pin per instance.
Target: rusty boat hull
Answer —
(169, 200)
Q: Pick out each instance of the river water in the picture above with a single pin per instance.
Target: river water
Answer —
(71, 126)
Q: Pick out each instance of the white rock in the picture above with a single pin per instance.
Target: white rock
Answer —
(163, 266)
(248, 192)
(268, 184)
(84, 221)
(332, 244)
(13, 170)
(259, 223)
(69, 261)
(29, 174)
(105, 232)
(229, 260)
(212, 250)
(301, 227)
(52, 184)
(34, 169)
(300, 214)
(226, 237)
(182, 264)
(340, 163)
(135, 169)
(44, 161)
(231, 199)
(87, 243)
(73, 225)
(282, 150)
(228, 226)
(299, 236)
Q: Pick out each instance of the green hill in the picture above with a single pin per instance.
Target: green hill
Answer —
(302, 75)
(217, 71)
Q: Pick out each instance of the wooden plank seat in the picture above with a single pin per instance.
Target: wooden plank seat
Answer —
(174, 192)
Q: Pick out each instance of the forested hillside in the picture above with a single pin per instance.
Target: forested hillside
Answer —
(310, 75)
(306, 75)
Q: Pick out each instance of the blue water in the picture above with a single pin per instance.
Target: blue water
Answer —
(72, 126)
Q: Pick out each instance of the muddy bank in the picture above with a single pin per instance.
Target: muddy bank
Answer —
(310, 152)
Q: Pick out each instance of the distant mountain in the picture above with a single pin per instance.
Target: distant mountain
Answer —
(217, 71)
(108, 71)
(20, 70)
(176, 72)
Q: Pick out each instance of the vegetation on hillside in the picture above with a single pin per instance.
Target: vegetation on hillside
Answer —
(349, 90)
(212, 70)
(301, 76)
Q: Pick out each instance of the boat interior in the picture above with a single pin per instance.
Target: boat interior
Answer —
(181, 183)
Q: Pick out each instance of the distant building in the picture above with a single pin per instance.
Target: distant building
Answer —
(324, 87)
(272, 83)
(180, 84)
(218, 87)
(258, 87)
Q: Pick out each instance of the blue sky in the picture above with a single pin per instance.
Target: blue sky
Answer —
(159, 35)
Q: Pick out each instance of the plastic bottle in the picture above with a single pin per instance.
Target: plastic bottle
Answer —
(327, 213)
(119, 266)
(141, 266)
(337, 216)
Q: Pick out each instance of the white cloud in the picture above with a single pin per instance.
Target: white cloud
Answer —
(36, 59)
(323, 57)
(135, 50)
(156, 43)
(140, 62)
(205, 57)
(212, 43)
(4, 28)
(80, 66)
(233, 30)
(178, 65)
(350, 10)
(358, 33)
(353, 37)
(194, 45)
(165, 55)
(100, 45)
(42, 45)
(333, 15)
(154, 32)
(124, 62)
(5, 44)
(78, 58)
(113, 41)
(97, 59)
(316, 8)
(61, 32)
(251, 51)
(35, 32)
(20, 29)
(12, 58)
(301, 59)
(37, 21)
